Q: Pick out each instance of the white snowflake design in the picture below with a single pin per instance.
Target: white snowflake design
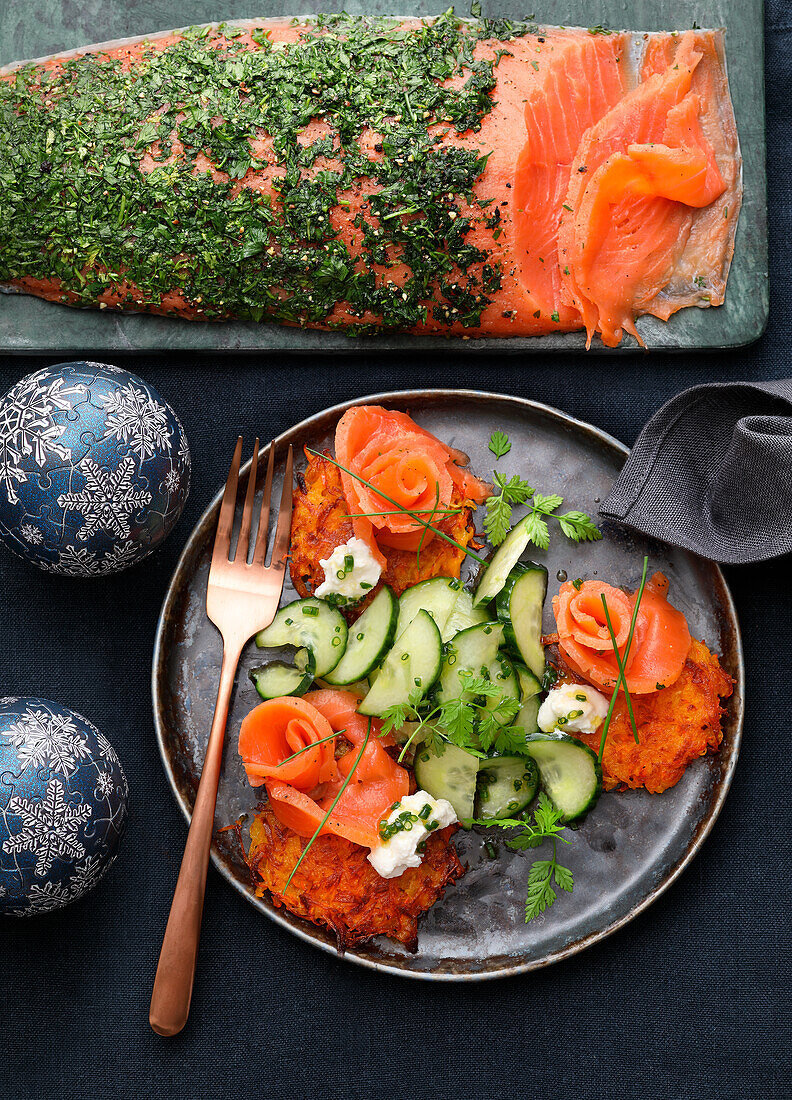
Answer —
(134, 417)
(8, 699)
(104, 784)
(86, 875)
(50, 829)
(122, 555)
(108, 499)
(184, 450)
(74, 562)
(48, 740)
(106, 750)
(32, 534)
(172, 481)
(27, 427)
(44, 897)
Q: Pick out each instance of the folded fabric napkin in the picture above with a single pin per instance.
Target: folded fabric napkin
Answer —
(712, 472)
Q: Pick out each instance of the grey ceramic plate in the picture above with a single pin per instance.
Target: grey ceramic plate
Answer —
(40, 27)
(629, 849)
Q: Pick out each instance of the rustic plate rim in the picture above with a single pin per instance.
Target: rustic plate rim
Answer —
(158, 671)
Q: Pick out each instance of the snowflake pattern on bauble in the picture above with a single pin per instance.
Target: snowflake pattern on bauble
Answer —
(50, 827)
(47, 740)
(27, 427)
(32, 534)
(134, 417)
(108, 499)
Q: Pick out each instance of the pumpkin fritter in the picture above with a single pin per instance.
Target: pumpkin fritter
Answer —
(335, 885)
(320, 523)
(675, 725)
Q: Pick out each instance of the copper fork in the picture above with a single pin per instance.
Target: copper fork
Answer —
(241, 599)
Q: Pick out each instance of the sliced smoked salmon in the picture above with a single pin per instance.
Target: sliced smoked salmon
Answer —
(641, 175)
(660, 643)
(426, 175)
(406, 463)
(303, 788)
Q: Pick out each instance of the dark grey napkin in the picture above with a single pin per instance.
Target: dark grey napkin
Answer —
(712, 472)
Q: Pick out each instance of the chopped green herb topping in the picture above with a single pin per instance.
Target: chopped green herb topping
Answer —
(123, 181)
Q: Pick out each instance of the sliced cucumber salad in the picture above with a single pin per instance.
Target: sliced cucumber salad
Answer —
(312, 624)
(519, 604)
(503, 561)
(568, 770)
(437, 597)
(368, 640)
(473, 650)
(505, 786)
(279, 678)
(413, 663)
(450, 774)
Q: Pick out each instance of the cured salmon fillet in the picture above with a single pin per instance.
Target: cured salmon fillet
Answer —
(447, 176)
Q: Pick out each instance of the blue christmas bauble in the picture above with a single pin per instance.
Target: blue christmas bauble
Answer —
(94, 469)
(63, 805)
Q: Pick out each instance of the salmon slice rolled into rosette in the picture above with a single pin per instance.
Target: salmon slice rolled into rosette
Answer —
(303, 788)
(660, 643)
(409, 466)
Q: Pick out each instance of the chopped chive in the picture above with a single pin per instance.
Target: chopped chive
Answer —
(326, 817)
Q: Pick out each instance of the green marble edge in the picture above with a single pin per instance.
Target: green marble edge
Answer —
(40, 27)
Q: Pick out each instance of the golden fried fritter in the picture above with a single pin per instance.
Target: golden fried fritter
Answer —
(320, 522)
(675, 726)
(337, 887)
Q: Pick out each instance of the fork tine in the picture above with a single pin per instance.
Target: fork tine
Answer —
(280, 547)
(243, 544)
(260, 550)
(225, 522)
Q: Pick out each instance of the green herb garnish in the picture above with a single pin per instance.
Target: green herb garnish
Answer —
(511, 491)
(499, 444)
(620, 680)
(547, 825)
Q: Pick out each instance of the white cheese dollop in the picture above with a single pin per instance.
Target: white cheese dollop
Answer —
(354, 583)
(393, 856)
(573, 708)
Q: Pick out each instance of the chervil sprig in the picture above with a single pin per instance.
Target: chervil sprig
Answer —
(510, 491)
(467, 721)
(499, 444)
(547, 824)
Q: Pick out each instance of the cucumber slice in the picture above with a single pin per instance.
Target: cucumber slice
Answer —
(519, 605)
(413, 662)
(502, 673)
(463, 615)
(530, 685)
(505, 786)
(450, 774)
(569, 772)
(528, 715)
(277, 678)
(437, 596)
(503, 561)
(311, 623)
(472, 650)
(369, 639)
(530, 690)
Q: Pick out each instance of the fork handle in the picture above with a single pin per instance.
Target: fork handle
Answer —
(173, 984)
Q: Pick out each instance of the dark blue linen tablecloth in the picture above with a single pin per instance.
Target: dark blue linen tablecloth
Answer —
(690, 1000)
